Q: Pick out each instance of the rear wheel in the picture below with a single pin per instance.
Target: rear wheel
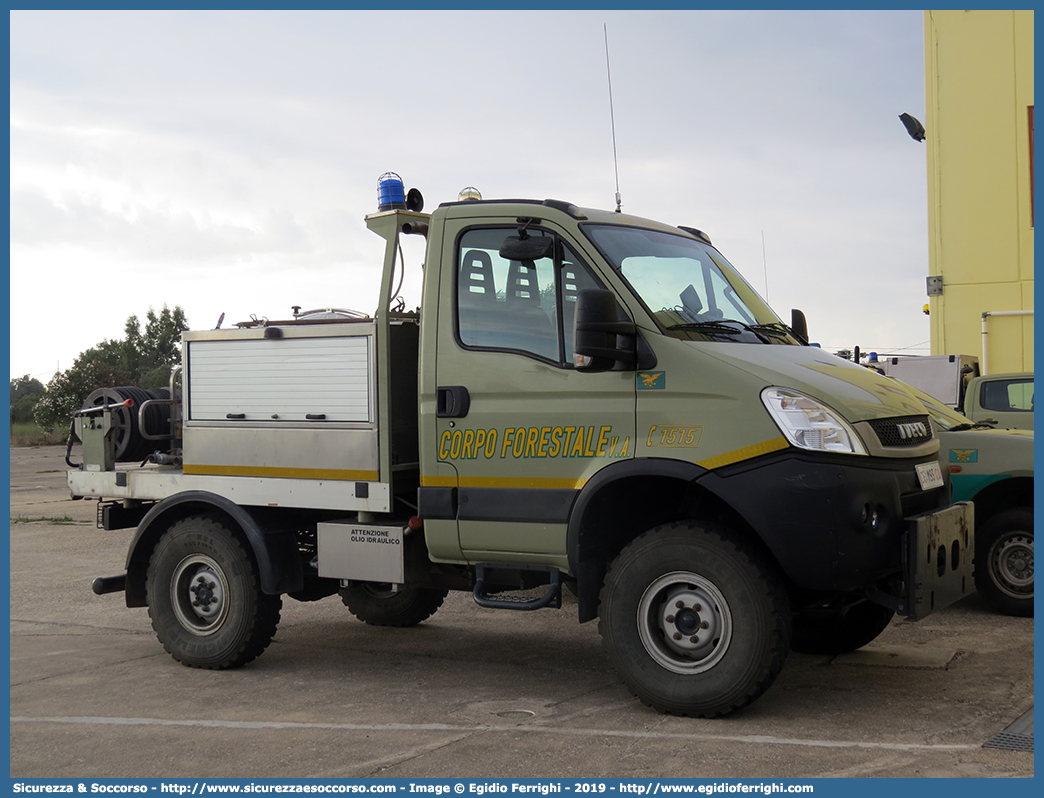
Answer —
(205, 599)
(1004, 561)
(695, 623)
(380, 605)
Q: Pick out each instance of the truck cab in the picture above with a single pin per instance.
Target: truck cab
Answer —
(711, 399)
(1005, 400)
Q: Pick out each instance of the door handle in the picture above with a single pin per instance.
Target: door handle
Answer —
(452, 401)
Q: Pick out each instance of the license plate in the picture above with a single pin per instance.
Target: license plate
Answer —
(929, 475)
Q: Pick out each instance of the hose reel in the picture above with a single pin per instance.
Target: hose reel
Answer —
(136, 428)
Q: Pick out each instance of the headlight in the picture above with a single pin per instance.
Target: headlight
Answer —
(809, 424)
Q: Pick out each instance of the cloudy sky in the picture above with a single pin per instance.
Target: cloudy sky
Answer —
(223, 161)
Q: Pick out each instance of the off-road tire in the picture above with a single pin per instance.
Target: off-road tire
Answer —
(718, 581)
(378, 605)
(839, 633)
(1004, 561)
(232, 621)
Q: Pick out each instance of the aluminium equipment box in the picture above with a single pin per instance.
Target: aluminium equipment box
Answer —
(284, 414)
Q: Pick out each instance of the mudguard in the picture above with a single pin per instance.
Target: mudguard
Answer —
(275, 549)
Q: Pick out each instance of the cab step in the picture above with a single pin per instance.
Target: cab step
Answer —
(484, 577)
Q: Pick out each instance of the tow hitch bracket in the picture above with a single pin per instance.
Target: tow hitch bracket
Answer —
(938, 565)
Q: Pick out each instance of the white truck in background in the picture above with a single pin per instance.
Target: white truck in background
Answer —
(1000, 400)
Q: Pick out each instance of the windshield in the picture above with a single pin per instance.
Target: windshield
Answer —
(688, 287)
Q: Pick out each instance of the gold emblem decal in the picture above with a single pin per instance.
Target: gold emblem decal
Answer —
(964, 455)
(651, 380)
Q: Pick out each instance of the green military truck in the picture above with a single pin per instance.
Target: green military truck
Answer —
(993, 468)
(585, 398)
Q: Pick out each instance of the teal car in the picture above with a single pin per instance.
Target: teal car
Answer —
(994, 469)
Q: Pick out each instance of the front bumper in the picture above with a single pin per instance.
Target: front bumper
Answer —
(844, 524)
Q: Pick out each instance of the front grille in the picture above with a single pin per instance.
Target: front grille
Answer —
(902, 431)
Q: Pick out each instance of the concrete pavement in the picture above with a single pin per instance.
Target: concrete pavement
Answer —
(469, 693)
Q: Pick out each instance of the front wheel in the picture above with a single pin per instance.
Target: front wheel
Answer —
(205, 599)
(694, 622)
(1004, 561)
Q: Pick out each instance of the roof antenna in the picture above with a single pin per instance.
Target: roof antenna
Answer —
(612, 118)
(764, 258)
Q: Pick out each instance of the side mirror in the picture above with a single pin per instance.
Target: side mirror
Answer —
(530, 248)
(799, 325)
(596, 326)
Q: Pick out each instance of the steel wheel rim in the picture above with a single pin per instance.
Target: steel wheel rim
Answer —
(1011, 565)
(199, 594)
(684, 623)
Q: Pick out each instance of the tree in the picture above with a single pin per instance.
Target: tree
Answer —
(25, 392)
(161, 341)
(150, 354)
(67, 389)
(25, 386)
(143, 359)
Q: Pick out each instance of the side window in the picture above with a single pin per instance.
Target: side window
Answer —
(1007, 395)
(525, 306)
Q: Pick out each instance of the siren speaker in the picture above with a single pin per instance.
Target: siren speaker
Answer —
(414, 200)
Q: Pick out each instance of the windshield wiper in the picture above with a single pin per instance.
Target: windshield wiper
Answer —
(709, 326)
(776, 328)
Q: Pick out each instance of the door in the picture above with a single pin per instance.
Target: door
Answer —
(523, 430)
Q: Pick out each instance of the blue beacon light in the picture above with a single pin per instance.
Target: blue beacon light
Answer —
(391, 193)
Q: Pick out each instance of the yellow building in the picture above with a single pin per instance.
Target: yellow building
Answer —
(979, 132)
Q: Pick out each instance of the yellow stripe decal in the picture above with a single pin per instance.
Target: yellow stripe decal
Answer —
(521, 482)
(438, 482)
(287, 473)
(745, 453)
(503, 482)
